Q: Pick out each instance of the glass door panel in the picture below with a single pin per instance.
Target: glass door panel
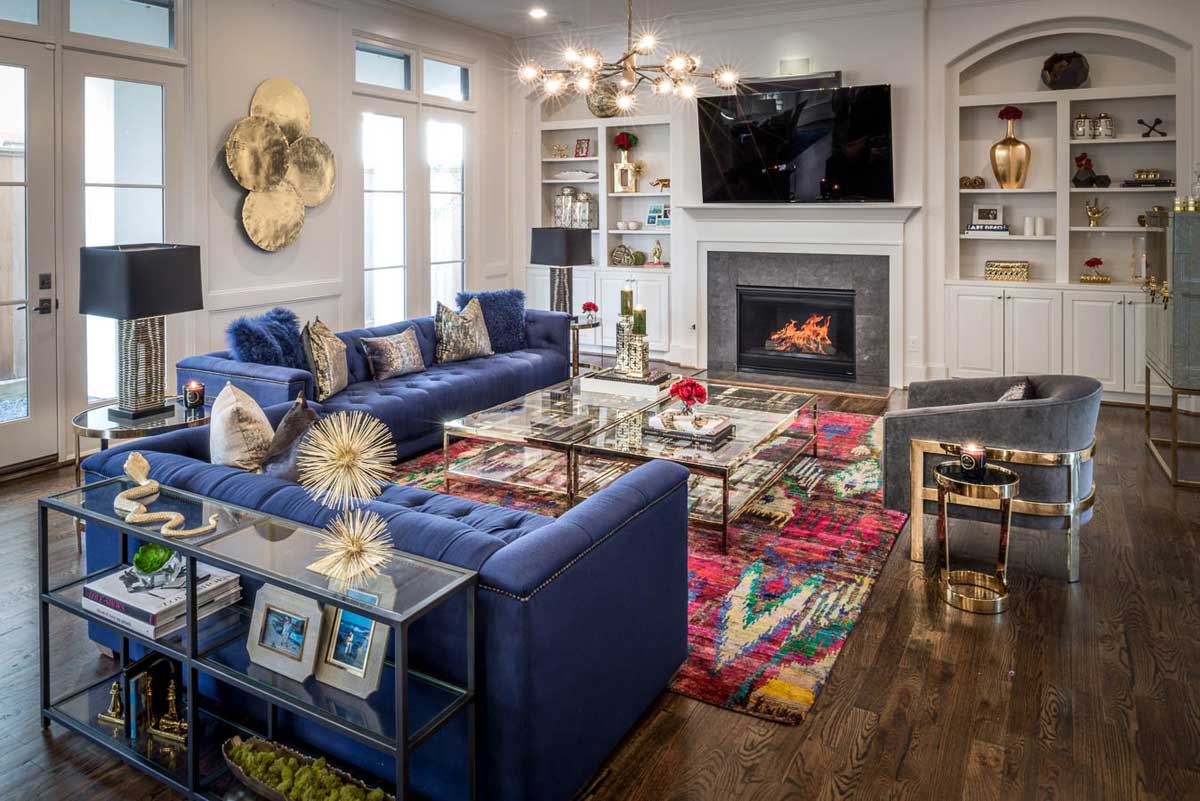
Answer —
(445, 148)
(385, 257)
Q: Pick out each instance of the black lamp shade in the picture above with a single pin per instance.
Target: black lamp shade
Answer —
(128, 282)
(561, 247)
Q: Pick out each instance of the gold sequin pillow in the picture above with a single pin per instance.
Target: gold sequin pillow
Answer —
(461, 335)
(326, 356)
(399, 354)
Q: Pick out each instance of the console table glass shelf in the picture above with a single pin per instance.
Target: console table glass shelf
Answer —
(276, 551)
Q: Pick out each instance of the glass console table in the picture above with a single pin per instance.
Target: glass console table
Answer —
(275, 551)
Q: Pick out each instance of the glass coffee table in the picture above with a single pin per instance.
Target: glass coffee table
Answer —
(531, 438)
(726, 478)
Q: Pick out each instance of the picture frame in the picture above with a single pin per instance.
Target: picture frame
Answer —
(352, 646)
(654, 213)
(664, 219)
(987, 214)
(285, 632)
(583, 148)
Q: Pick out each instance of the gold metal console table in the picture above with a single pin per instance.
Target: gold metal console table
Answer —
(1173, 442)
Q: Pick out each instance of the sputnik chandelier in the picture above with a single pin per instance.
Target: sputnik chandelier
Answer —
(587, 71)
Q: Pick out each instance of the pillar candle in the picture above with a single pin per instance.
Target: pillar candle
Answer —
(639, 320)
(626, 301)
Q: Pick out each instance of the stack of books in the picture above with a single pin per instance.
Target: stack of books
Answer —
(982, 229)
(610, 382)
(158, 612)
(700, 428)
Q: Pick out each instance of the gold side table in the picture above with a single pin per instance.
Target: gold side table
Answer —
(576, 327)
(971, 590)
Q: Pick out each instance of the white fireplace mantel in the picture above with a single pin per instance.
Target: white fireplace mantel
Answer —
(801, 212)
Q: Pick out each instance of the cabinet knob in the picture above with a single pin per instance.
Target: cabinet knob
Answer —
(999, 297)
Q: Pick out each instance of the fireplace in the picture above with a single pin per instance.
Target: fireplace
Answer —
(801, 331)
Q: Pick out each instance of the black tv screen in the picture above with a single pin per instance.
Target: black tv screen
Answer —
(801, 146)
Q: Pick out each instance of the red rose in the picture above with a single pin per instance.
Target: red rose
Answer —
(1080, 159)
(689, 391)
(1094, 262)
(1087, 164)
(1010, 113)
(588, 306)
(625, 140)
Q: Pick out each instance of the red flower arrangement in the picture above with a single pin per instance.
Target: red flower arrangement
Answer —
(1083, 162)
(1010, 113)
(588, 306)
(689, 391)
(1094, 262)
(625, 141)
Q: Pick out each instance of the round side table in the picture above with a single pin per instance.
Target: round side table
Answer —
(576, 327)
(971, 590)
(94, 423)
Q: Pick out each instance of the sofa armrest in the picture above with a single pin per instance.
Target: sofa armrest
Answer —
(266, 383)
(548, 329)
(957, 391)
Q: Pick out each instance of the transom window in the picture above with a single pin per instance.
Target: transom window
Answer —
(148, 22)
(25, 11)
(382, 67)
(442, 79)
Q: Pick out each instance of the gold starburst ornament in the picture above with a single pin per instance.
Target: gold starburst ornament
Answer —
(345, 459)
(356, 545)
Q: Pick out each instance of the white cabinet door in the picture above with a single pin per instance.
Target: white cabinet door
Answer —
(1094, 337)
(975, 331)
(537, 287)
(1136, 306)
(1032, 332)
(584, 290)
(649, 290)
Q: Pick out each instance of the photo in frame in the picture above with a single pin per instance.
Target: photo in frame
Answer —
(987, 214)
(285, 632)
(664, 219)
(353, 646)
(654, 213)
(583, 148)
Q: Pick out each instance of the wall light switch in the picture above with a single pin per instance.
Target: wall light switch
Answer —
(44, 281)
(914, 345)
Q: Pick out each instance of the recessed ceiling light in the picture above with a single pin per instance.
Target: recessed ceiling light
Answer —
(537, 12)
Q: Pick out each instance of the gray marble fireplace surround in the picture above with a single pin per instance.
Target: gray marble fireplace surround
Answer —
(866, 275)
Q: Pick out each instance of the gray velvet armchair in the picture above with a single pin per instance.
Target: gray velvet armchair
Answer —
(1048, 440)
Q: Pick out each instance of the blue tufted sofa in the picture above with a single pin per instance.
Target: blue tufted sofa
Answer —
(413, 406)
(582, 620)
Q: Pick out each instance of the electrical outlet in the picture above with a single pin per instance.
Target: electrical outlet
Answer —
(914, 345)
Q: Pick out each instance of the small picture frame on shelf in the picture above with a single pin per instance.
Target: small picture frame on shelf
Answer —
(664, 219)
(654, 213)
(987, 214)
(353, 646)
(284, 631)
(583, 148)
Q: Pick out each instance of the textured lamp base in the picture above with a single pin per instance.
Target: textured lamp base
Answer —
(140, 369)
(562, 288)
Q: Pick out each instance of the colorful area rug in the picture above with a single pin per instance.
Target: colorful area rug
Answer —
(767, 619)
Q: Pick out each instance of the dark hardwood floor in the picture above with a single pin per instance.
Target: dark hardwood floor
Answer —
(1085, 691)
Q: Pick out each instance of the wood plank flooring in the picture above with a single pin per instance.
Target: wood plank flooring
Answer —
(1085, 691)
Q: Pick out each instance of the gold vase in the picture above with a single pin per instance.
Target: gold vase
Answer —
(1010, 160)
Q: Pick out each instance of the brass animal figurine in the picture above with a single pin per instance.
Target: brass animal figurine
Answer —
(130, 502)
(1094, 212)
(662, 184)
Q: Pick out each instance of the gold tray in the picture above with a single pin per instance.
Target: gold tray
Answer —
(268, 792)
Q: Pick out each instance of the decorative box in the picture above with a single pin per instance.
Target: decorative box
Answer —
(1006, 270)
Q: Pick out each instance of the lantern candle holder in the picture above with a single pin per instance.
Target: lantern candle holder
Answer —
(193, 395)
(972, 457)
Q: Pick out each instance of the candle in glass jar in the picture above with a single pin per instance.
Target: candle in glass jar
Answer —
(639, 320)
(193, 395)
(972, 457)
(626, 301)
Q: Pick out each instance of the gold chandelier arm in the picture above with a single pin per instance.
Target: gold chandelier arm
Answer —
(629, 25)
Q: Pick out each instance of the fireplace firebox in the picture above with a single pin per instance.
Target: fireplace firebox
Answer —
(800, 331)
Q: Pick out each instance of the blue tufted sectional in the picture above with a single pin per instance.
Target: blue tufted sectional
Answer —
(582, 620)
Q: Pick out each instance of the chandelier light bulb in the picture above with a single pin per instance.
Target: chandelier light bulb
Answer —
(537, 12)
(624, 82)
(585, 84)
(664, 86)
(529, 72)
(686, 90)
(645, 43)
(553, 85)
(678, 63)
(591, 60)
(571, 55)
(625, 101)
(725, 77)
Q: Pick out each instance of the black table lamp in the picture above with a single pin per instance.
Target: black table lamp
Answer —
(562, 249)
(136, 285)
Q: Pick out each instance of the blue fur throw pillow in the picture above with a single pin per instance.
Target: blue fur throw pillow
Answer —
(504, 315)
(271, 338)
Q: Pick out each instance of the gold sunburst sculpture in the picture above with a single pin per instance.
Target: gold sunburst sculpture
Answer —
(356, 545)
(345, 459)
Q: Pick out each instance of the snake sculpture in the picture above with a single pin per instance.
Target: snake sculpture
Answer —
(132, 502)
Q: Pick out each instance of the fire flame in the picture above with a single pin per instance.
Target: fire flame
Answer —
(812, 337)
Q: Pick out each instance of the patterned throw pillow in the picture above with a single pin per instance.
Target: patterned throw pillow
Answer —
(326, 356)
(280, 461)
(399, 354)
(461, 335)
(239, 433)
(1020, 391)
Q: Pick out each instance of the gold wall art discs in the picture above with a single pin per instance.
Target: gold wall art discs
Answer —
(257, 154)
(273, 219)
(311, 169)
(284, 103)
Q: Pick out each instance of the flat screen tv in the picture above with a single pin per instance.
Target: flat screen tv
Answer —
(797, 146)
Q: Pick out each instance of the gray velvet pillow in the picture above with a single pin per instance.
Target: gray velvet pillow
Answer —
(399, 354)
(239, 433)
(1022, 390)
(280, 461)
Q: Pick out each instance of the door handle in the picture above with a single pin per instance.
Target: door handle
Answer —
(45, 306)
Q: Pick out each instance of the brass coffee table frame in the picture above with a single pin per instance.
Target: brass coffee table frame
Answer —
(1173, 442)
(722, 473)
(952, 580)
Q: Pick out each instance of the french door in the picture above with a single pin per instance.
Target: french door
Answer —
(28, 313)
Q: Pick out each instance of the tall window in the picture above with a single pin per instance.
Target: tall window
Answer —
(123, 193)
(445, 151)
(384, 254)
(14, 315)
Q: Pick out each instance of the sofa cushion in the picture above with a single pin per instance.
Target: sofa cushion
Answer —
(461, 336)
(504, 314)
(280, 461)
(240, 433)
(392, 356)
(327, 360)
(356, 359)
(272, 338)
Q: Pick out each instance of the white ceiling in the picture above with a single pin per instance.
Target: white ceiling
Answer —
(511, 17)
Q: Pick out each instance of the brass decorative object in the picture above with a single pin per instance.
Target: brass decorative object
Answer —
(170, 726)
(1147, 174)
(141, 366)
(625, 174)
(114, 715)
(1095, 212)
(129, 502)
(1010, 159)
(256, 153)
(311, 170)
(1006, 270)
(624, 348)
(356, 545)
(284, 103)
(661, 184)
(559, 151)
(621, 256)
(345, 459)
(603, 101)
(273, 219)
